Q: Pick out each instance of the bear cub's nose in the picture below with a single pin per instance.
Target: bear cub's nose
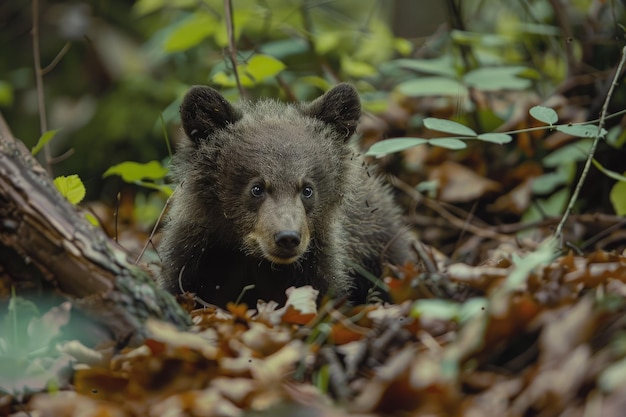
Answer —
(287, 239)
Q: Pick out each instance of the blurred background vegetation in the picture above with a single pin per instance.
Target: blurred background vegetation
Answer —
(119, 69)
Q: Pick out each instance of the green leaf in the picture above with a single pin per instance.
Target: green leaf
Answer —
(284, 48)
(448, 126)
(497, 78)
(618, 198)
(439, 66)
(448, 143)
(611, 174)
(356, 69)
(71, 187)
(6, 93)
(552, 206)
(133, 172)
(583, 131)
(544, 114)
(385, 147)
(570, 153)
(257, 69)
(92, 219)
(326, 42)
(190, 32)
(261, 67)
(436, 309)
(547, 183)
(45, 138)
(499, 138)
(432, 86)
(402, 46)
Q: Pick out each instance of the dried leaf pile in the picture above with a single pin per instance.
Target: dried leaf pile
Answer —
(524, 335)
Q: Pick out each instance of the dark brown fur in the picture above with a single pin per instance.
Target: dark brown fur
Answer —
(275, 195)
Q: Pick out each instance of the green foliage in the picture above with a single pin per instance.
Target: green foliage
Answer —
(71, 187)
(144, 175)
(618, 197)
(256, 70)
(389, 146)
(498, 78)
(190, 32)
(544, 114)
(29, 361)
(448, 126)
(6, 94)
(433, 86)
(45, 138)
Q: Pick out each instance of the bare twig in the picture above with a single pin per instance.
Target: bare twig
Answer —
(558, 233)
(56, 59)
(461, 224)
(560, 12)
(154, 229)
(41, 104)
(232, 47)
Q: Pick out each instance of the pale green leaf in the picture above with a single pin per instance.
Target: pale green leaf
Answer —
(71, 187)
(190, 32)
(570, 153)
(432, 86)
(436, 309)
(499, 138)
(448, 143)
(448, 126)
(544, 114)
(284, 48)
(583, 131)
(497, 78)
(618, 197)
(438, 66)
(612, 377)
(547, 183)
(385, 147)
(45, 138)
(356, 69)
(133, 172)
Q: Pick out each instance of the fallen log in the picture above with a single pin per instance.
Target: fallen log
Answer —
(46, 242)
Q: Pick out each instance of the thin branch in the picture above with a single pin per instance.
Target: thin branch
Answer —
(41, 104)
(154, 229)
(57, 58)
(558, 233)
(232, 47)
(560, 12)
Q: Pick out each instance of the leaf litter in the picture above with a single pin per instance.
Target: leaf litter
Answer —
(534, 334)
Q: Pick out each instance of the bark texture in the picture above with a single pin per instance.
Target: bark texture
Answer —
(45, 241)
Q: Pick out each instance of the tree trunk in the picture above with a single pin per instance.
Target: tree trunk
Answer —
(45, 240)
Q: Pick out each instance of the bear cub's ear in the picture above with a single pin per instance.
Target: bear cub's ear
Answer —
(339, 107)
(204, 111)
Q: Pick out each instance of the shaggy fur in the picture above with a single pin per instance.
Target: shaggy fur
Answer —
(275, 195)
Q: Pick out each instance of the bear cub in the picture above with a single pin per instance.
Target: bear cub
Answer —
(276, 195)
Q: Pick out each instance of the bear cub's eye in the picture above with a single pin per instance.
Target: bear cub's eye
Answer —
(257, 190)
(307, 192)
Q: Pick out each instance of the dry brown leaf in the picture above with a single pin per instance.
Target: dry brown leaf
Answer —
(458, 183)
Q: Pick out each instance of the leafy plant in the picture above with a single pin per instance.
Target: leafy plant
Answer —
(29, 359)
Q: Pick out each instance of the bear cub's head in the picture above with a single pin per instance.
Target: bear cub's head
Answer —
(267, 177)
